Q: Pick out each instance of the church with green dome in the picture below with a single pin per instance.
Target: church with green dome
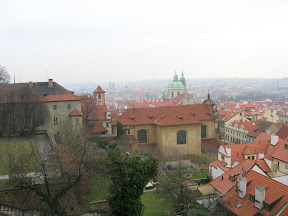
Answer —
(177, 87)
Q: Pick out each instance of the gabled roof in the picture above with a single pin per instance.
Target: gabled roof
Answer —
(260, 128)
(167, 116)
(275, 192)
(76, 113)
(99, 90)
(223, 183)
(98, 128)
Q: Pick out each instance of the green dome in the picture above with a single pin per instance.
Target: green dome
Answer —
(175, 84)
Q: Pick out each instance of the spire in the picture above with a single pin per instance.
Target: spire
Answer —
(182, 79)
(175, 77)
(208, 95)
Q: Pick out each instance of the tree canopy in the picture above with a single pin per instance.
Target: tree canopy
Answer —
(129, 175)
(4, 75)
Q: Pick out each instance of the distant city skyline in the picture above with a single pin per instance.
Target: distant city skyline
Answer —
(105, 41)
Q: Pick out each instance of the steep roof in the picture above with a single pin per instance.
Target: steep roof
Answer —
(281, 153)
(224, 183)
(283, 132)
(275, 193)
(260, 128)
(98, 90)
(167, 116)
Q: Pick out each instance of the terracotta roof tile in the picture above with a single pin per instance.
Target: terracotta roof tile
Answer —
(98, 128)
(281, 153)
(273, 191)
(209, 145)
(165, 116)
(76, 113)
(223, 183)
(62, 97)
(98, 90)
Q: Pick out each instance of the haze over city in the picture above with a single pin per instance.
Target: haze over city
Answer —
(102, 41)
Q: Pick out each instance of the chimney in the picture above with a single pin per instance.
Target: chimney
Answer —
(30, 84)
(242, 184)
(274, 139)
(261, 155)
(228, 150)
(259, 196)
(50, 83)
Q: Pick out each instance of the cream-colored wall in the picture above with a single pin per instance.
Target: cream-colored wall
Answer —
(62, 113)
(237, 118)
(181, 90)
(210, 130)
(151, 132)
(169, 146)
(282, 171)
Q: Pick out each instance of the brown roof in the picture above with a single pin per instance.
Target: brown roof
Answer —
(261, 127)
(283, 132)
(275, 194)
(62, 97)
(166, 116)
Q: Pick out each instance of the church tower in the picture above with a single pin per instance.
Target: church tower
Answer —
(177, 87)
(99, 95)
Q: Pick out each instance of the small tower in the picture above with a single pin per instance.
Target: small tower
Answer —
(99, 95)
(210, 102)
(183, 81)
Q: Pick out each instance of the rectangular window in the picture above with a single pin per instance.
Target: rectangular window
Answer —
(68, 106)
(107, 124)
(55, 121)
(128, 132)
(54, 107)
(286, 167)
(222, 158)
(77, 121)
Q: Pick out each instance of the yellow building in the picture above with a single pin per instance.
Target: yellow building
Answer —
(175, 130)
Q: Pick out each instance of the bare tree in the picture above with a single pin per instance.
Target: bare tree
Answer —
(4, 75)
(22, 111)
(57, 170)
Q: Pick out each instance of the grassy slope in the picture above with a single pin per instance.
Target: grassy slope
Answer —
(19, 147)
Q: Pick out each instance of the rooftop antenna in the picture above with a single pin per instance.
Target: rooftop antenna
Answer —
(14, 79)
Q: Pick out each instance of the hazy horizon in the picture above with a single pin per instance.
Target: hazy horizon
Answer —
(105, 41)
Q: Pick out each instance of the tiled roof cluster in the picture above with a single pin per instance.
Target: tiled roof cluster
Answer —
(226, 181)
(276, 196)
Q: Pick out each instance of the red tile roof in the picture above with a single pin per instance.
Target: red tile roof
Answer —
(273, 191)
(165, 116)
(98, 90)
(249, 126)
(281, 153)
(218, 163)
(229, 115)
(98, 128)
(223, 183)
(62, 97)
(263, 165)
(76, 113)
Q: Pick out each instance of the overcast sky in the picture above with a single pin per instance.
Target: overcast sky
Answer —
(95, 41)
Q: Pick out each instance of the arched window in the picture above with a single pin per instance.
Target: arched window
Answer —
(99, 96)
(178, 93)
(142, 136)
(181, 137)
(172, 94)
(203, 132)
